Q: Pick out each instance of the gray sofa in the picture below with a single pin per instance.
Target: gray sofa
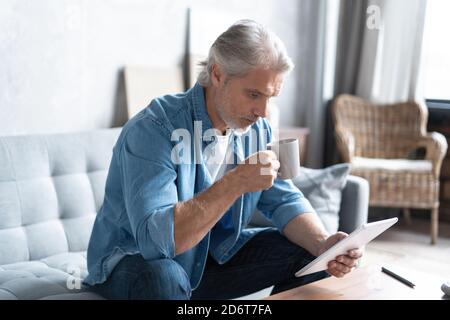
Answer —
(51, 187)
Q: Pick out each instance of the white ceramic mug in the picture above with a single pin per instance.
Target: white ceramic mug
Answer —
(287, 152)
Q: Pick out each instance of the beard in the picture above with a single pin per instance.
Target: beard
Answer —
(231, 122)
(222, 104)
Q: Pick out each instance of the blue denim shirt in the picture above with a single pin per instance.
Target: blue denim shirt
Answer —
(144, 183)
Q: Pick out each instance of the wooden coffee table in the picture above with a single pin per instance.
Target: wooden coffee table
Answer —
(369, 283)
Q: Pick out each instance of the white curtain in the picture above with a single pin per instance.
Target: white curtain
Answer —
(390, 55)
(378, 60)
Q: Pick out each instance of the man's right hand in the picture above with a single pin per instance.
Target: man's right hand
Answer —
(257, 172)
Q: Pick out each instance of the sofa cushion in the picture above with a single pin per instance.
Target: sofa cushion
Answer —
(51, 187)
(54, 277)
(323, 188)
(375, 164)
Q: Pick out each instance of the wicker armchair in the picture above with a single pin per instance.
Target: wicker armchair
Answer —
(382, 142)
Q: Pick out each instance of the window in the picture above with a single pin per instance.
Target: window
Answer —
(436, 51)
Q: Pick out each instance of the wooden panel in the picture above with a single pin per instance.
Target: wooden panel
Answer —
(444, 211)
(445, 169)
(438, 122)
(445, 190)
(142, 84)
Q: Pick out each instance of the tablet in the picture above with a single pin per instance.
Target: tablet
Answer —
(357, 239)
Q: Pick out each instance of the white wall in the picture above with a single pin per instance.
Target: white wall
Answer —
(60, 59)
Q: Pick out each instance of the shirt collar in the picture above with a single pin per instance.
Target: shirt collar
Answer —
(199, 106)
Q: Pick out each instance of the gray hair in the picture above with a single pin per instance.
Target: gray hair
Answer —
(246, 45)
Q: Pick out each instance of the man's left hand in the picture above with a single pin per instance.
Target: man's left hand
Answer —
(342, 264)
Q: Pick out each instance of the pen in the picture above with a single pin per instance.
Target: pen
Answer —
(396, 276)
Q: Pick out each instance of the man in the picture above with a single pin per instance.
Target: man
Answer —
(173, 224)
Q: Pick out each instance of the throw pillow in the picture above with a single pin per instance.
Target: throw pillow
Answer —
(323, 188)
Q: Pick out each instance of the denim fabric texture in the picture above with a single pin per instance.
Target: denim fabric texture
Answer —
(267, 259)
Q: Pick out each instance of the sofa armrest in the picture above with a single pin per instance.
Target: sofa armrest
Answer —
(354, 204)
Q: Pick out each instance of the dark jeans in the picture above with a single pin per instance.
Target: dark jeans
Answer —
(267, 259)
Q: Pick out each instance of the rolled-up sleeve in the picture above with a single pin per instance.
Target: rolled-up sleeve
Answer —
(282, 202)
(150, 192)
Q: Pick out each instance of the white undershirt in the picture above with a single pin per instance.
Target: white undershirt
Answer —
(217, 157)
